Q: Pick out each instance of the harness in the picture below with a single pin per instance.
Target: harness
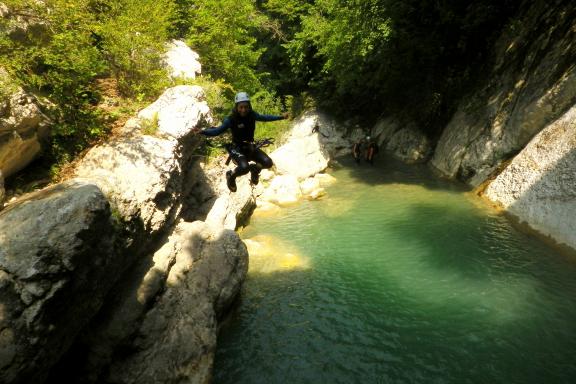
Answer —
(234, 149)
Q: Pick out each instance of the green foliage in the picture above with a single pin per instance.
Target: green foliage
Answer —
(150, 126)
(223, 33)
(132, 36)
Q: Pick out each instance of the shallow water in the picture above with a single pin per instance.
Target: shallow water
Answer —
(398, 277)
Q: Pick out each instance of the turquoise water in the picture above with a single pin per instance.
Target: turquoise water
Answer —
(398, 277)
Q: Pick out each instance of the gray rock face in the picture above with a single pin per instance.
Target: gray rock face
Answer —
(406, 143)
(177, 338)
(2, 190)
(57, 261)
(539, 186)
(23, 128)
(142, 175)
(532, 83)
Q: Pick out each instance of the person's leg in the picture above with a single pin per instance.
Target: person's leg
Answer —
(242, 168)
(262, 161)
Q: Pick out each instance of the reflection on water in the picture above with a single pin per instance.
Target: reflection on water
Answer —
(398, 277)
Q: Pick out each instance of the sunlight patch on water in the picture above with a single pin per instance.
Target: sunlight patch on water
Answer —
(269, 254)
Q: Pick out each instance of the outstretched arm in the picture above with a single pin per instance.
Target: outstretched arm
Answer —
(260, 117)
(215, 131)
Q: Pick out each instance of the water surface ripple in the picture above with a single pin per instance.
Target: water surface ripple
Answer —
(397, 277)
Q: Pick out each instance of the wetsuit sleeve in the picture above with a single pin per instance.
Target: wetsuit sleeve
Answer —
(260, 117)
(217, 130)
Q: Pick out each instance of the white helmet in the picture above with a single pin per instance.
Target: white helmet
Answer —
(240, 97)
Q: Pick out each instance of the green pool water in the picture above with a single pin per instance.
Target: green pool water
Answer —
(399, 277)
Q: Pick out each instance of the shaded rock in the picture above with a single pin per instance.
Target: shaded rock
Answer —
(24, 27)
(177, 338)
(181, 61)
(404, 141)
(539, 186)
(532, 83)
(58, 260)
(23, 128)
(2, 190)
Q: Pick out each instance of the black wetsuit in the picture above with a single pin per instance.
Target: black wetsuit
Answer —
(242, 149)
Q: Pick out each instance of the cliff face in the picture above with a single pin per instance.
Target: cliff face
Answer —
(516, 134)
(531, 84)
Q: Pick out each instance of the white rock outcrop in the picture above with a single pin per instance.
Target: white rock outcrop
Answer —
(305, 152)
(143, 175)
(539, 186)
(181, 61)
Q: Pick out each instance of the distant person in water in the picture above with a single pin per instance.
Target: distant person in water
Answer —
(371, 150)
(243, 151)
(357, 150)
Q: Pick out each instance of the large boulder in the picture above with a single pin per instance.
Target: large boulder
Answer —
(539, 186)
(304, 154)
(177, 338)
(181, 61)
(532, 83)
(23, 126)
(58, 260)
(143, 175)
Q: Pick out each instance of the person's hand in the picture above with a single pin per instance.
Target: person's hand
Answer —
(286, 115)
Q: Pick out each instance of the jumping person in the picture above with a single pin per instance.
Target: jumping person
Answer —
(242, 122)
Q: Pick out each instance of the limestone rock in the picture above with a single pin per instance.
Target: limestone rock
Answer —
(143, 175)
(311, 188)
(283, 190)
(23, 27)
(532, 83)
(181, 61)
(177, 338)
(57, 262)
(178, 110)
(539, 186)
(2, 190)
(303, 154)
(403, 140)
(23, 128)
(325, 129)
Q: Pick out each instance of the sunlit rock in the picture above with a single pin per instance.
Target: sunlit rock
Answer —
(181, 61)
(23, 126)
(283, 190)
(539, 186)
